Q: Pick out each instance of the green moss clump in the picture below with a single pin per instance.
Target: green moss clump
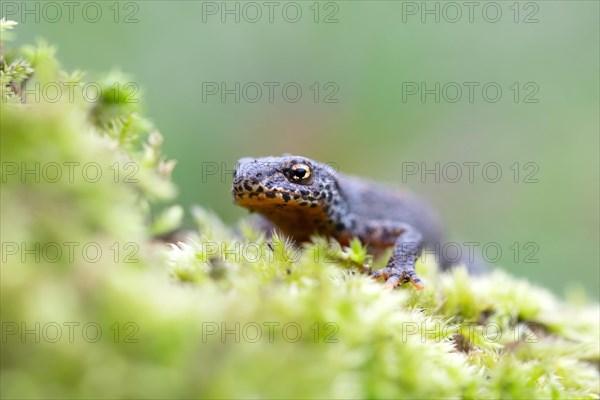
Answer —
(234, 314)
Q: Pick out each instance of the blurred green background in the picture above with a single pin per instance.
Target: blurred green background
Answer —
(172, 47)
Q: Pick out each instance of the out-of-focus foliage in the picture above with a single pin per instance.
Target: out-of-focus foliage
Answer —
(234, 314)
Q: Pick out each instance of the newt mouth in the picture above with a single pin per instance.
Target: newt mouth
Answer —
(258, 200)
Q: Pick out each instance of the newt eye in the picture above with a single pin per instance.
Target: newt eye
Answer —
(300, 172)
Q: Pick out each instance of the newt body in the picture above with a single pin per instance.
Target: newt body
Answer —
(303, 197)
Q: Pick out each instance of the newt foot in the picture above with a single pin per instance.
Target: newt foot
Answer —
(394, 276)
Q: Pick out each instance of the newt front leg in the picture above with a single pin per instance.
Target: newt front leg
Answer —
(407, 242)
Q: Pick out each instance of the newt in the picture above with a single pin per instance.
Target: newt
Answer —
(302, 197)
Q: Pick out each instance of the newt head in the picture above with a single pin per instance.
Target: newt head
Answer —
(295, 192)
(288, 180)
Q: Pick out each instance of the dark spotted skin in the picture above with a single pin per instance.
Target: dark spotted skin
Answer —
(326, 202)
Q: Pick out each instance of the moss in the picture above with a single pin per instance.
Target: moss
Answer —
(230, 313)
